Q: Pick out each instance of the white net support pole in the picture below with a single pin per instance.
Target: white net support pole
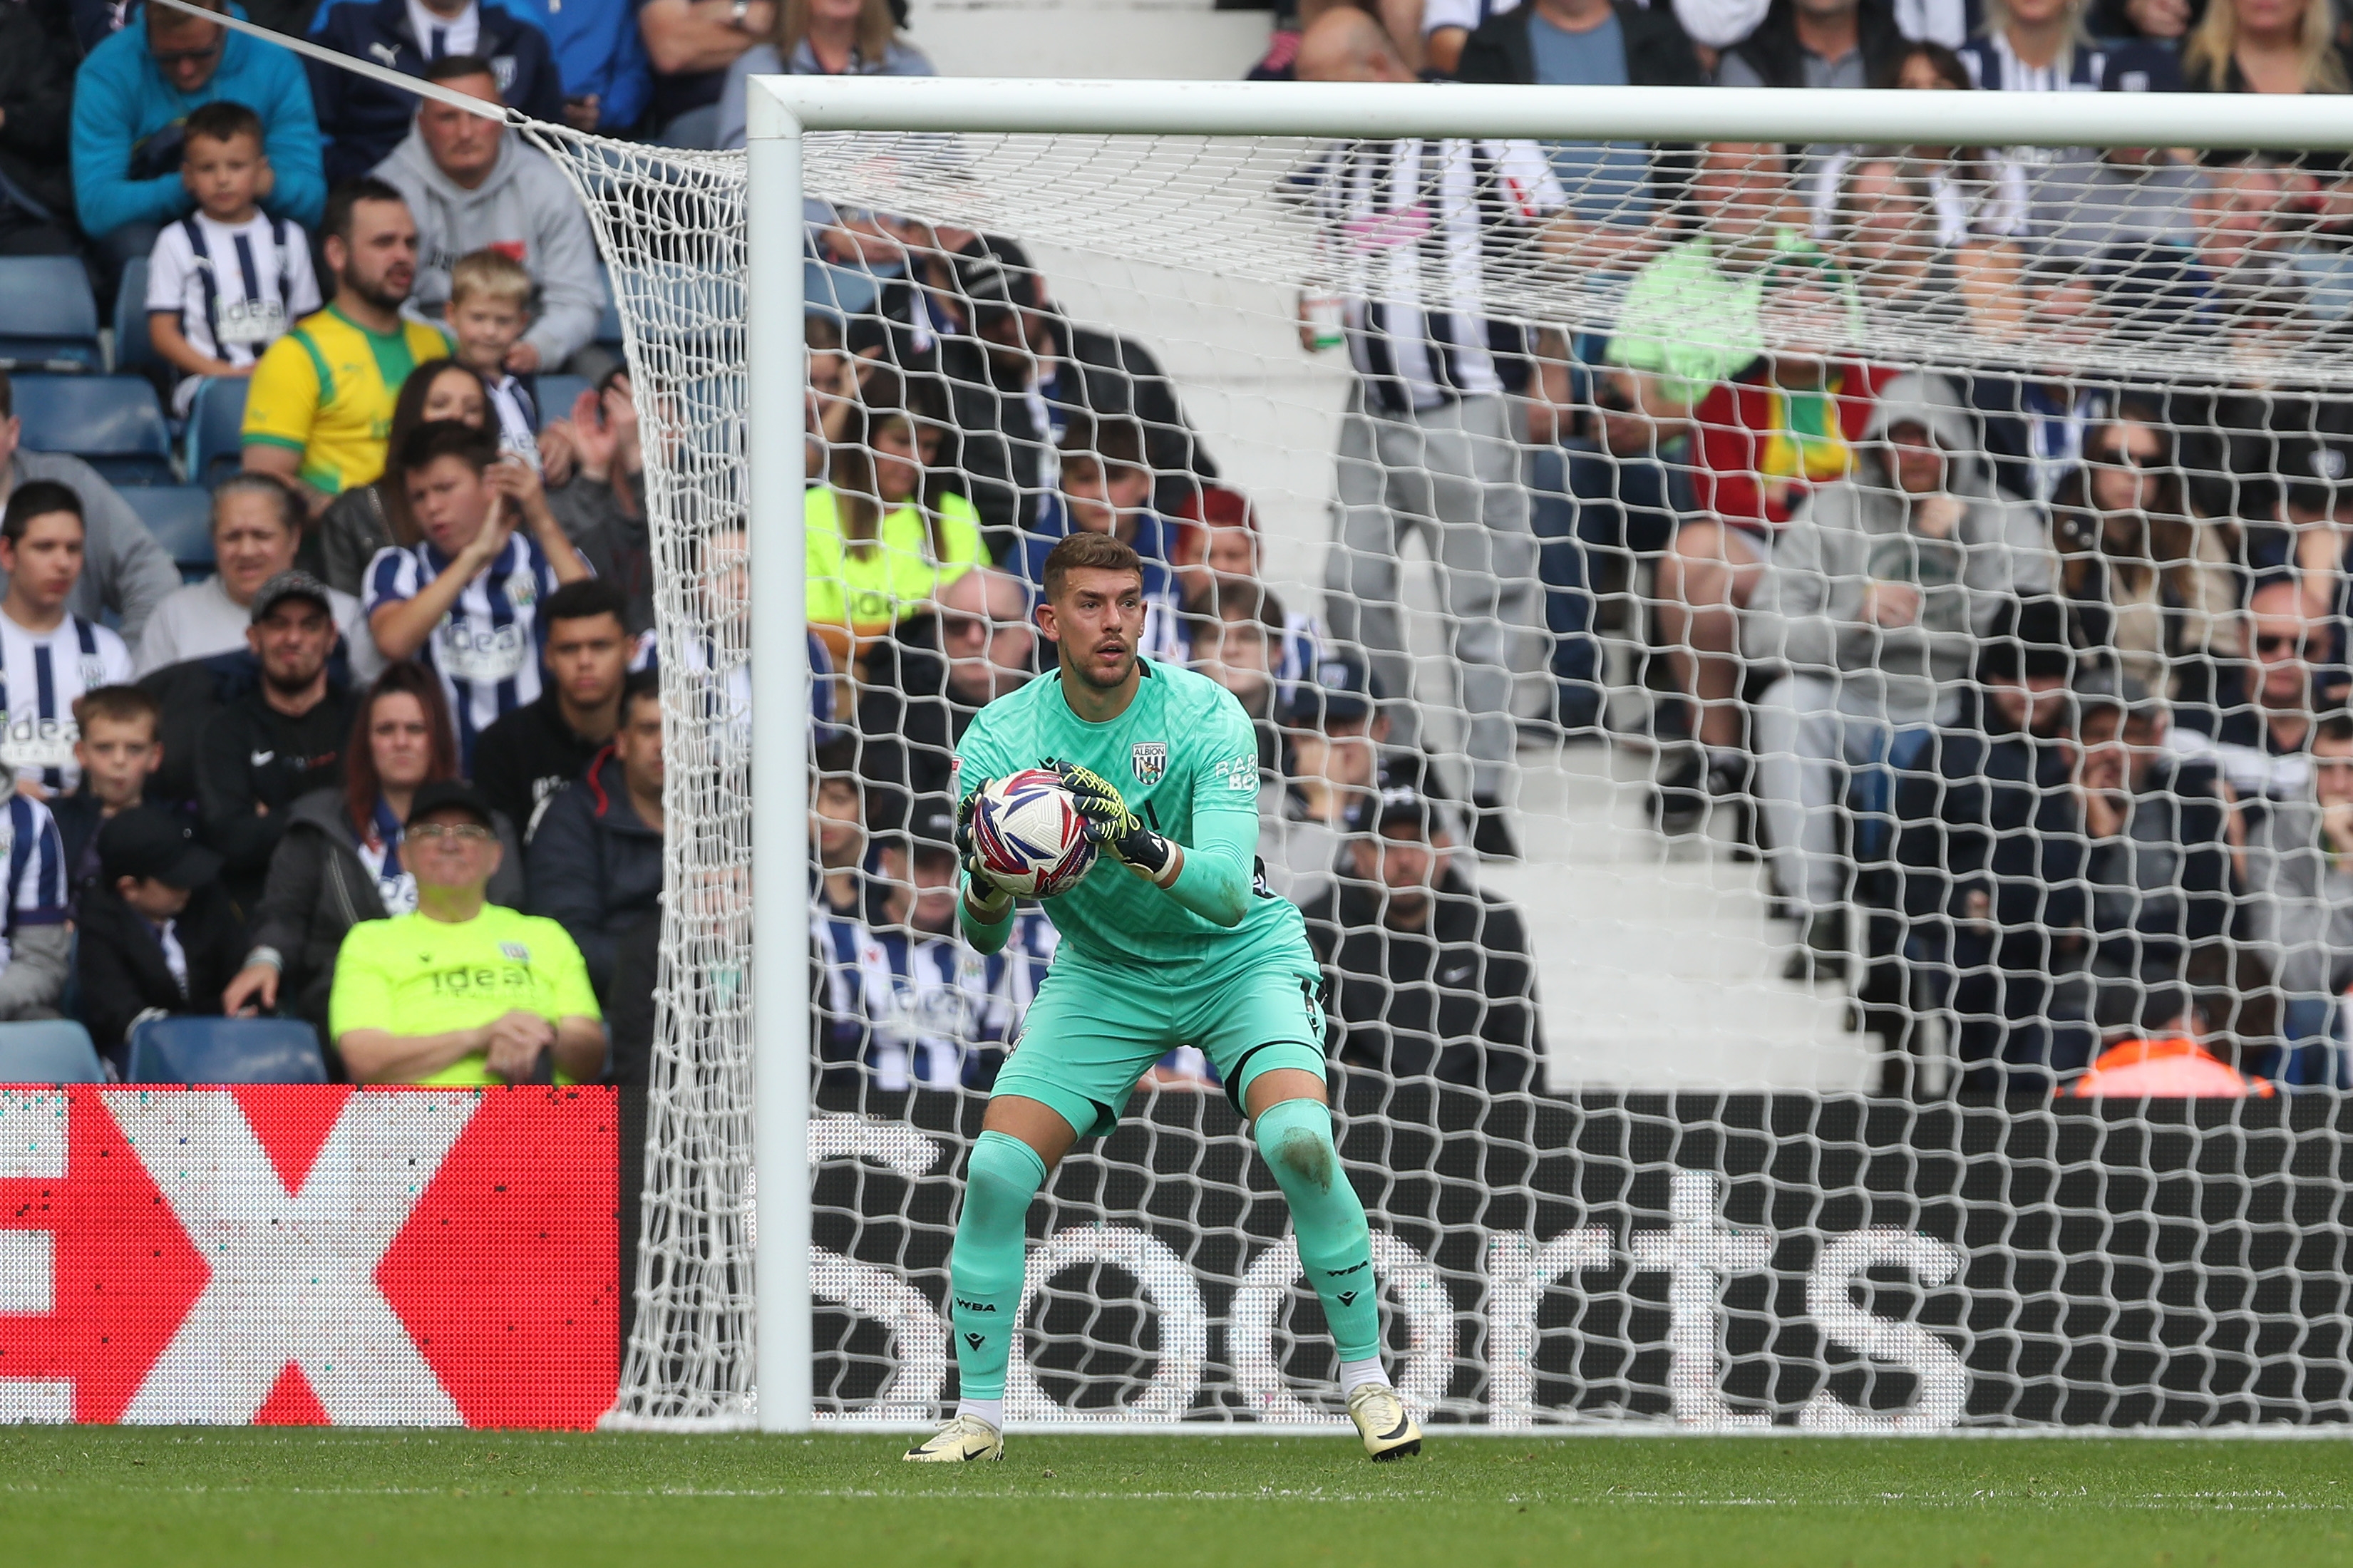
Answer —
(783, 1341)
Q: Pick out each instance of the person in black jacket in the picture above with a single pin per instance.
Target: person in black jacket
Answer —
(924, 686)
(37, 80)
(524, 759)
(268, 748)
(2159, 857)
(1430, 977)
(362, 121)
(1989, 854)
(156, 934)
(1024, 359)
(595, 862)
(1816, 43)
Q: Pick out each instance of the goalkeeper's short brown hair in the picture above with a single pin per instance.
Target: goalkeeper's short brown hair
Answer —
(1086, 552)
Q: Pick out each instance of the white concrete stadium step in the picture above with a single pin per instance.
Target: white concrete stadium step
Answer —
(1659, 967)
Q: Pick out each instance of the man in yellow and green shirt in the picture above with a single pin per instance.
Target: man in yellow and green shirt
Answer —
(319, 408)
(462, 992)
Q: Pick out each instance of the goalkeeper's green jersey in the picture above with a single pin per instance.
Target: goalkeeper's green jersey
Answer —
(1185, 759)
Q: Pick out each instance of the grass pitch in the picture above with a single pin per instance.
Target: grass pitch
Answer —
(246, 1497)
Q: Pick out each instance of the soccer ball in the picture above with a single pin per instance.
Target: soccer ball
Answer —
(1030, 836)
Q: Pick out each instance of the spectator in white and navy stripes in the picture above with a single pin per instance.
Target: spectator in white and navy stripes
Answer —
(466, 598)
(490, 309)
(49, 655)
(226, 281)
(1429, 444)
(36, 943)
(2040, 45)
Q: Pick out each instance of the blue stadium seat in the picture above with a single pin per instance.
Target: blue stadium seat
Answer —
(48, 319)
(608, 323)
(181, 519)
(215, 423)
(48, 1050)
(226, 1050)
(556, 394)
(134, 349)
(112, 421)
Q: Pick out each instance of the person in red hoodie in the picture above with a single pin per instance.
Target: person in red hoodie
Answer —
(2168, 1063)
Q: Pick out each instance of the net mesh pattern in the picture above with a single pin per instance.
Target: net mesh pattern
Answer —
(1892, 597)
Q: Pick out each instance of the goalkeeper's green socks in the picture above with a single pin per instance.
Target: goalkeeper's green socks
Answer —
(985, 1265)
(1335, 1246)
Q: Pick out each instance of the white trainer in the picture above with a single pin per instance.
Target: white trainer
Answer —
(966, 1437)
(1381, 1419)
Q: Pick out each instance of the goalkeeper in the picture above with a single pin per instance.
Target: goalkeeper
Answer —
(1168, 941)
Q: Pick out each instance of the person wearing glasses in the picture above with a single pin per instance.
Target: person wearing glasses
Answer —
(461, 990)
(345, 857)
(925, 683)
(2259, 727)
(131, 97)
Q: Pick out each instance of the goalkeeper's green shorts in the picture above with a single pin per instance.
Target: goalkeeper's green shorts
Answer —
(1091, 1033)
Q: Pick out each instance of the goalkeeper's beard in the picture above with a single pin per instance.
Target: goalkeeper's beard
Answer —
(1089, 673)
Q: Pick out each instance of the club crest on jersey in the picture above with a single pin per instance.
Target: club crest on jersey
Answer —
(522, 588)
(93, 671)
(1150, 760)
(515, 951)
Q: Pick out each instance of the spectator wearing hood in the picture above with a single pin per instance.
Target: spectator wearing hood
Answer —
(472, 186)
(1876, 599)
(596, 858)
(155, 934)
(364, 120)
(135, 90)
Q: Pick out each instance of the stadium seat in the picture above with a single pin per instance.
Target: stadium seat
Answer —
(134, 349)
(181, 519)
(556, 394)
(48, 1050)
(226, 1050)
(216, 425)
(608, 323)
(113, 423)
(48, 319)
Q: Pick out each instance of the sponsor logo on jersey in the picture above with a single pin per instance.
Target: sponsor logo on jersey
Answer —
(1150, 760)
(34, 742)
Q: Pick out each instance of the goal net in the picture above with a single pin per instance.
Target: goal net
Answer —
(1776, 662)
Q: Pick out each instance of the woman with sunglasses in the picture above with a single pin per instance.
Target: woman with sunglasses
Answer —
(343, 858)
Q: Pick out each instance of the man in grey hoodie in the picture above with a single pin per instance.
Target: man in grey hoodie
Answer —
(474, 187)
(1878, 593)
(123, 569)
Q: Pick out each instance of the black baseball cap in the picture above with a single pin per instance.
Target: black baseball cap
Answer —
(932, 823)
(1396, 800)
(147, 841)
(287, 586)
(1343, 689)
(450, 794)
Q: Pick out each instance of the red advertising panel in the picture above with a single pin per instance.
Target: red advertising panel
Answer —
(309, 1256)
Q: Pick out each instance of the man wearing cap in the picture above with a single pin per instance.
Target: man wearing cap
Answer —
(157, 936)
(596, 858)
(280, 739)
(1430, 977)
(462, 991)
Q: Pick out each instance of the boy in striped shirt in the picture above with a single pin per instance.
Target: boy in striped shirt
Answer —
(490, 309)
(226, 280)
(48, 655)
(466, 598)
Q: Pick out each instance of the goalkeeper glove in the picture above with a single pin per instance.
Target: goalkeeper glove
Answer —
(988, 898)
(1111, 827)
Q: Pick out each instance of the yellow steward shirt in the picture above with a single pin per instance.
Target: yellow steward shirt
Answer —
(326, 389)
(863, 592)
(418, 976)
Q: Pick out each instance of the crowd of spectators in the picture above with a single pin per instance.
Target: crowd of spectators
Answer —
(2027, 686)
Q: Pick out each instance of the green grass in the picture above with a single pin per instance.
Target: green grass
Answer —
(248, 1498)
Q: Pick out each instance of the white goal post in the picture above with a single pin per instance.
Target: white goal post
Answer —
(782, 109)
